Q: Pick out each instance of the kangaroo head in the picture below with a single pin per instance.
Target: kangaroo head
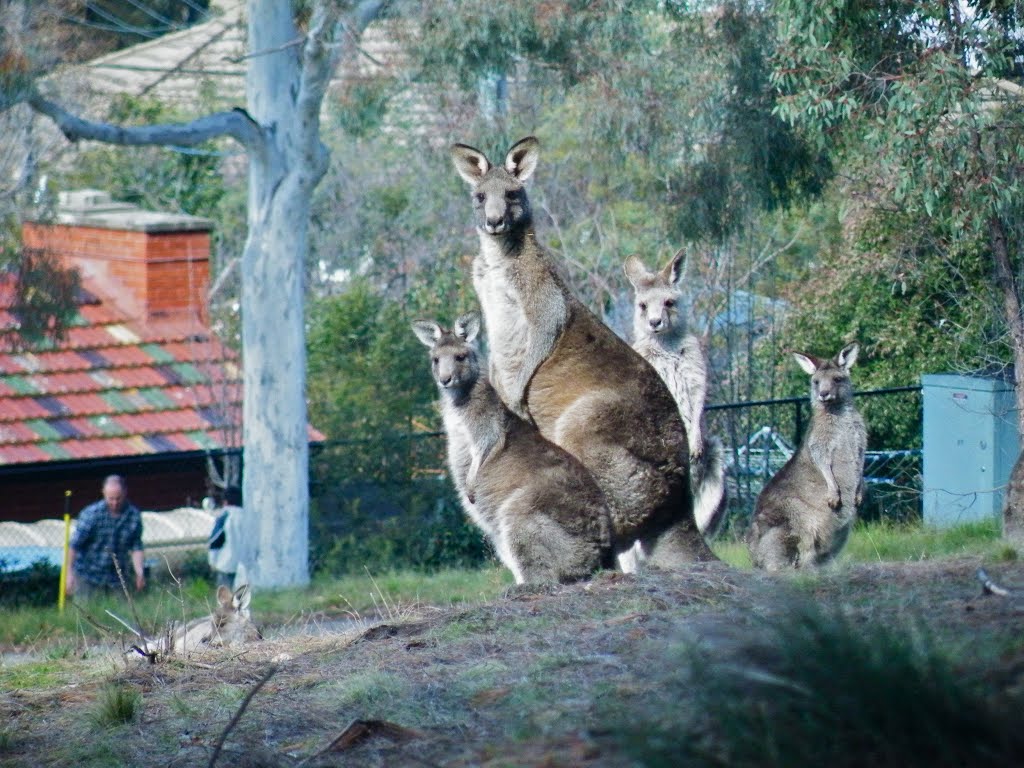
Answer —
(232, 621)
(658, 296)
(830, 379)
(454, 359)
(499, 197)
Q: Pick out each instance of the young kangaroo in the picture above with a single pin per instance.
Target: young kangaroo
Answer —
(660, 336)
(538, 506)
(229, 624)
(556, 364)
(804, 514)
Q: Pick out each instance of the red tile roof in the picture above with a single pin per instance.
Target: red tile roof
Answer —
(115, 387)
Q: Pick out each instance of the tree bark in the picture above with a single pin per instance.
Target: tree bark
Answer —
(1013, 507)
(285, 87)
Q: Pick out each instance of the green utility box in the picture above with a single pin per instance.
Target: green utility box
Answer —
(970, 447)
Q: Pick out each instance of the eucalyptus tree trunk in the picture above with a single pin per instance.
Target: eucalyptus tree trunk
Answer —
(287, 78)
(1013, 507)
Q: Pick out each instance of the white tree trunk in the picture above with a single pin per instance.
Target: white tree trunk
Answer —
(288, 76)
(281, 182)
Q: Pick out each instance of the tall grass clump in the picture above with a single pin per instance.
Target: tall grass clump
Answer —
(118, 704)
(826, 690)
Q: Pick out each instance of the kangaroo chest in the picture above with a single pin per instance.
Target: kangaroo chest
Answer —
(841, 440)
(683, 372)
(507, 328)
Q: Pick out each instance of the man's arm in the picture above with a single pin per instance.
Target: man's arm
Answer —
(138, 554)
(140, 575)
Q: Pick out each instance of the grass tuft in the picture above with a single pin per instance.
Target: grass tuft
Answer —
(118, 704)
(824, 689)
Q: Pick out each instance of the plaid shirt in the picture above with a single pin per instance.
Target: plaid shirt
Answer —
(98, 534)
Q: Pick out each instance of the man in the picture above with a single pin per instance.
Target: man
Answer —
(109, 528)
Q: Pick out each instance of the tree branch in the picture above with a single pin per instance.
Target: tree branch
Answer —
(237, 124)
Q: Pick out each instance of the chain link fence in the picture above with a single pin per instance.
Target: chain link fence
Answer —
(760, 436)
(389, 501)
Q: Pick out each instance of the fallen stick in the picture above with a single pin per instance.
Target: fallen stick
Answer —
(989, 587)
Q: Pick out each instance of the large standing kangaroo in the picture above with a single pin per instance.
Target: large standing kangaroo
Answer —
(555, 363)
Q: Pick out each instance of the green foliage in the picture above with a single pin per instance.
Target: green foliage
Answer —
(154, 178)
(912, 99)
(379, 501)
(819, 690)
(42, 297)
(36, 585)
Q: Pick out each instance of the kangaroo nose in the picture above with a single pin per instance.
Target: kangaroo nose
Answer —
(445, 380)
(495, 225)
(655, 323)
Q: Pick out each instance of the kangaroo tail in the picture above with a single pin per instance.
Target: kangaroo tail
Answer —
(707, 481)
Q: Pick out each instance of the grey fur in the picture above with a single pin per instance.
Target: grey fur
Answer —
(804, 513)
(556, 364)
(538, 506)
(661, 336)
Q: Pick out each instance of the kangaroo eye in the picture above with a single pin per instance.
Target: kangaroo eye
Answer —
(460, 358)
(643, 306)
(436, 360)
(512, 195)
(670, 303)
(480, 197)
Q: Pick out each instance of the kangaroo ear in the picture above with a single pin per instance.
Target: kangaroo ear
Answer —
(674, 269)
(808, 362)
(635, 271)
(224, 596)
(471, 163)
(521, 160)
(467, 327)
(847, 356)
(427, 331)
(242, 598)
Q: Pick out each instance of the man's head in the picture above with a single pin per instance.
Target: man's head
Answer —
(114, 493)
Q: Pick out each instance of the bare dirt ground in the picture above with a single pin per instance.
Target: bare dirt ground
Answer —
(561, 676)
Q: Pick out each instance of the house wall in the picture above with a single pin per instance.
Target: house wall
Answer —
(37, 493)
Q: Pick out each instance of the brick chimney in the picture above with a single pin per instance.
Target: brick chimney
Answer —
(155, 266)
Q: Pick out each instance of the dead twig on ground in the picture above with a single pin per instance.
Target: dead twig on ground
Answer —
(271, 671)
(989, 587)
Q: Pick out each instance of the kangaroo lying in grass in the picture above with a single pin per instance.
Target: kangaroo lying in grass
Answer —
(538, 506)
(229, 624)
(804, 513)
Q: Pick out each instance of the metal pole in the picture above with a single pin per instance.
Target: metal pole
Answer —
(62, 590)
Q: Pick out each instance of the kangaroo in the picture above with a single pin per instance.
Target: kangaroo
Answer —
(554, 363)
(229, 624)
(660, 336)
(804, 513)
(537, 505)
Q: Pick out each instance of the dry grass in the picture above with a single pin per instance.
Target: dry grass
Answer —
(558, 676)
